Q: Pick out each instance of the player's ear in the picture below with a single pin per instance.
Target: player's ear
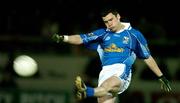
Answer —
(118, 17)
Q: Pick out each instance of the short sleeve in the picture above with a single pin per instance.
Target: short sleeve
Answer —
(91, 40)
(141, 46)
(93, 36)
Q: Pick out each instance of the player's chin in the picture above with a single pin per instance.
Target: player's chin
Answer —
(112, 29)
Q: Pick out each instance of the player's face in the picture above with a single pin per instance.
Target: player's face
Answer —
(112, 21)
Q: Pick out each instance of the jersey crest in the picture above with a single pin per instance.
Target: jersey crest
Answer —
(125, 40)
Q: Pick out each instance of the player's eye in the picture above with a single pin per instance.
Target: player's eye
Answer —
(111, 19)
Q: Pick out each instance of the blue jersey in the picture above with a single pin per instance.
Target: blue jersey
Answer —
(117, 47)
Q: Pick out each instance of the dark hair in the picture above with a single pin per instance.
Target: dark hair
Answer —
(107, 10)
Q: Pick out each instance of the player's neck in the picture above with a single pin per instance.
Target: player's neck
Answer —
(120, 27)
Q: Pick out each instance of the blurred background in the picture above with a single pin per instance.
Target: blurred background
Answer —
(26, 28)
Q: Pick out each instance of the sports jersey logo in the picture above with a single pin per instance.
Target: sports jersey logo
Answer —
(113, 48)
(90, 34)
(125, 40)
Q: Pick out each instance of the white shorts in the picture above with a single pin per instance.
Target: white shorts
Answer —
(118, 70)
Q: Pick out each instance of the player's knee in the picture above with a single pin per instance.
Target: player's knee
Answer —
(111, 88)
(112, 85)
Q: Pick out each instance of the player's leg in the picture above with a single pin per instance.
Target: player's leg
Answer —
(110, 86)
(106, 92)
(112, 80)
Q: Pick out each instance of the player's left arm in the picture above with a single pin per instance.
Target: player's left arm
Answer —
(153, 66)
(142, 51)
(165, 85)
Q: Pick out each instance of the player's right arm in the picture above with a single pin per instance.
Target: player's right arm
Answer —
(78, 39)
(72, 39)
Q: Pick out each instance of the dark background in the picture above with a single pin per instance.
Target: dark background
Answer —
(26, 17)
(21, 22)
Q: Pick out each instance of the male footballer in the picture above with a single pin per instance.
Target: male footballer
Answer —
(118, 46)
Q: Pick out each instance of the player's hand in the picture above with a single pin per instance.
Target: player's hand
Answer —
(57, 38)
(165, 85)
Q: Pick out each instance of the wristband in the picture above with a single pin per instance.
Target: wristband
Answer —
(66, 38)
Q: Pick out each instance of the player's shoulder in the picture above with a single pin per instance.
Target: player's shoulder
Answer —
(128, 26)
(131, 29)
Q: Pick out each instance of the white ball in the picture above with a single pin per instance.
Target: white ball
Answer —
(25, 66)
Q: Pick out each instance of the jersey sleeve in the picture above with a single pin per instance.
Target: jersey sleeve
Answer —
(91, 40)
(91, 46)
(141, 46)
